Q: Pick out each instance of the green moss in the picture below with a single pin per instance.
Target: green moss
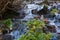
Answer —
(54, 11)
(7, 22)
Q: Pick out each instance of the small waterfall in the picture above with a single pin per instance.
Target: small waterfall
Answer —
(29, 16)
(29, 8)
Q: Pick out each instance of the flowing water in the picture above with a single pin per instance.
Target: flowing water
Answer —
(21, 29)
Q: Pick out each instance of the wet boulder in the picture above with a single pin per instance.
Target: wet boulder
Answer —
(58, 16)
(43, 11)
(7, 37)
(51, 28)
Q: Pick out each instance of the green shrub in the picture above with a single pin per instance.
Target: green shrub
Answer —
(34, 31)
